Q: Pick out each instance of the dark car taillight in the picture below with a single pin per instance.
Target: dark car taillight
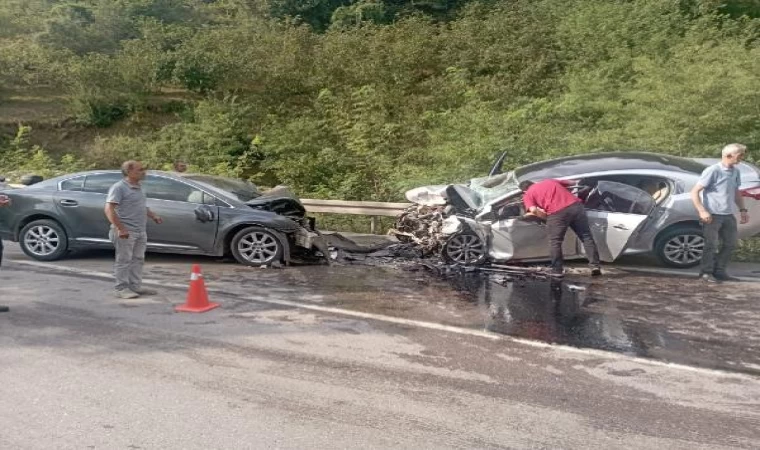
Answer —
(751, 193)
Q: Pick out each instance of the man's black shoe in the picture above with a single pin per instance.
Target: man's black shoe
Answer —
(725, 277)
(4, 308)
(596, 272)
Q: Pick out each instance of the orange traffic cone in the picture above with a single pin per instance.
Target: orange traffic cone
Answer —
(197, 298)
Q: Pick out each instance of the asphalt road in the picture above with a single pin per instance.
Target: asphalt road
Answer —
(339, 357)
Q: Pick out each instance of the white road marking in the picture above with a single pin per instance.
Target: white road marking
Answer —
(408, 322)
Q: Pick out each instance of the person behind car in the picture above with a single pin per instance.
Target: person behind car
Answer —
(550, 199)
(127, 211)
(714, 196)
(4, 201)
(180, 166)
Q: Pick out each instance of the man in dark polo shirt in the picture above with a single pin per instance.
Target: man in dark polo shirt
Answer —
(551, 200)
(128, 213)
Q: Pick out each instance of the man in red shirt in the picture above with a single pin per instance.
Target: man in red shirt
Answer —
(551, 200)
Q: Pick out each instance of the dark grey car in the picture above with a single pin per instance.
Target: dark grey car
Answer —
(201, 215)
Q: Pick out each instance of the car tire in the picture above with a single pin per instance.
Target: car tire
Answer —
(466, 249)
(680, 247)
(256, 246)
(44, 240)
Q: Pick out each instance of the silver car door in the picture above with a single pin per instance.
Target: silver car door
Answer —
(616, 212)
(518, 239)
(190, 217)
(513, 238)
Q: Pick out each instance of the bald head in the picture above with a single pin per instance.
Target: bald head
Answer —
(133, 171)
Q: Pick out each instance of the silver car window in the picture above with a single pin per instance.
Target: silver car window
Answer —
(619, 198)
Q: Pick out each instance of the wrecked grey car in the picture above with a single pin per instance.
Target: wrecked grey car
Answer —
(201, 215)
(636, 203)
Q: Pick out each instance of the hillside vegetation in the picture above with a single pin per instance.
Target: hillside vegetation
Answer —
(364, 99)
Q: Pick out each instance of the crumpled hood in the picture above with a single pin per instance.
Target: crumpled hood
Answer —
(280, 200)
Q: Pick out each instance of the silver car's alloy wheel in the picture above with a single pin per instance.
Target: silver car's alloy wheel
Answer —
(684, 249)
(42, 240)
(465, 249)
(258, 247)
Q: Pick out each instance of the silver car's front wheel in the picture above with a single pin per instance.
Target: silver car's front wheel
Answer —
(682, 247)
(465, 249)
(44, 240)
(256, 246)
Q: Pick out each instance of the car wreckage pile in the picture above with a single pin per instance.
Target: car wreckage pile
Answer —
(422, 225)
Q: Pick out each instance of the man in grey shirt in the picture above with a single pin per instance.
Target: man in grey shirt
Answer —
(714, 196)
(128, 213)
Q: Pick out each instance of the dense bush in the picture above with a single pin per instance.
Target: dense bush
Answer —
(364, 99)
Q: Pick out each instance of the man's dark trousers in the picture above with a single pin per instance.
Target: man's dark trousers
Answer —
(573, 216)
(722, 230)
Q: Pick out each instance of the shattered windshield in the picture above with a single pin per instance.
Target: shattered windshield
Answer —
(493, 187)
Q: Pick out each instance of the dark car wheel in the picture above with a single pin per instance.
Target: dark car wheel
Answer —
(680, 247)
(44, 240)
(256, 246)
(466, 249)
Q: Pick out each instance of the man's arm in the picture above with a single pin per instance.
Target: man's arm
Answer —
(154, 217)
(531, 206)
(113, 218)
(742, 209)
(696, 198)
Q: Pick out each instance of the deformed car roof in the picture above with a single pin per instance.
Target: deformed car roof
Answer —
(602, 162)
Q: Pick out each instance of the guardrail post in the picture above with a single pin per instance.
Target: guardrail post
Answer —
(373, 225)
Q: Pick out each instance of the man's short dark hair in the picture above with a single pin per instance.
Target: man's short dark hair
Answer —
(524, 185)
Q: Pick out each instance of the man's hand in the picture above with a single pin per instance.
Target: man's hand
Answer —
(705, 217)
(538, 212)
(4, 200)
(744, 217)
(123, 233)
(157, 219)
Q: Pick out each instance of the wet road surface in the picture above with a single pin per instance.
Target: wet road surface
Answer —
(82, 369)
(671, 319)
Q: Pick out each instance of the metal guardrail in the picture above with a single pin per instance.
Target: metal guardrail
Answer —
(372, 209)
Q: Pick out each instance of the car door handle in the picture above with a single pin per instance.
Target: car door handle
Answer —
(69, 203)
(620, 227)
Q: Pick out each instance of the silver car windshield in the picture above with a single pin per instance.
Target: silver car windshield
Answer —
(493, 187)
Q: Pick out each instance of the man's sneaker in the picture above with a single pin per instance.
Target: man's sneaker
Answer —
(125, 293)
(145, 291)
(708, 278)
(596, 272)
(725, 277)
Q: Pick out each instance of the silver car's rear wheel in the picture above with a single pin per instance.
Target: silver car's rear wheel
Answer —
(681, 247)
(256, 246)
(466, 249)
(44, 240)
